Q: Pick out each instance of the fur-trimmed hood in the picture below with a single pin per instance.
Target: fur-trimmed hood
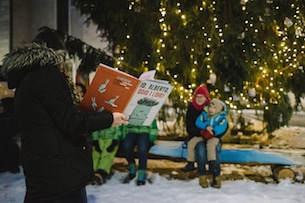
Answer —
(17, 63)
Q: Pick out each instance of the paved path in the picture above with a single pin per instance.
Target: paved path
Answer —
(297, 120)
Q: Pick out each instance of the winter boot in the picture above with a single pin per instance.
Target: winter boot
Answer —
(100, 177)
(141, 177)
(132, 171)
(203, 181)
(216, 183)
(188, 167)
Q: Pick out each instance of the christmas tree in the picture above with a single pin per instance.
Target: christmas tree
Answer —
(249, 52)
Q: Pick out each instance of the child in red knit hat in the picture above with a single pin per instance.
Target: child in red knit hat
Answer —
(214, 124)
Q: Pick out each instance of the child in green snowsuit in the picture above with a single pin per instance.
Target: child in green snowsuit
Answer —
(105, 145)
(142, 137)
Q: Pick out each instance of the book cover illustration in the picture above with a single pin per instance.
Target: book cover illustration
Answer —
(147, 101)
(110, 89)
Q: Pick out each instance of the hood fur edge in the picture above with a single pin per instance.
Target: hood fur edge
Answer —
(31, 55)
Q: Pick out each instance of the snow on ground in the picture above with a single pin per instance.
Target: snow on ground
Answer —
(240, 183)
(289, 138)
(164, 190)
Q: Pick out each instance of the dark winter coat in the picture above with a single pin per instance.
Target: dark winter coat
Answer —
(8, 127)
(9, 152)
(55, 155)
(191, 116)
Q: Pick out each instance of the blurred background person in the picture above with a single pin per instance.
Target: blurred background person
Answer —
(9, 149)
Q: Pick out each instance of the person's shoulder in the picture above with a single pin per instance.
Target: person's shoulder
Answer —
(47, 71)
(204, 114)
(190, 107)
(222, 116)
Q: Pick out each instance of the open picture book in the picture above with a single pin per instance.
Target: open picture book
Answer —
(140, 99)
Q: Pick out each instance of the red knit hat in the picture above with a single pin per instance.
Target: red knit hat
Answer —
(201, 89)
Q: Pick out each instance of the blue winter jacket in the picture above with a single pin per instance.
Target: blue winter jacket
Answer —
(218, 122)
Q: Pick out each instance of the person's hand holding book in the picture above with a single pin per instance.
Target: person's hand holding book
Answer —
(118, 119)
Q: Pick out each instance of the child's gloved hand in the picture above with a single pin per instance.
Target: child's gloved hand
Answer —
(96, 146)
(113, 144)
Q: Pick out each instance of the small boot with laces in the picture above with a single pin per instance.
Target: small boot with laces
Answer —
(141, 180)
(203, 181)
(216, 183)
(132, 170)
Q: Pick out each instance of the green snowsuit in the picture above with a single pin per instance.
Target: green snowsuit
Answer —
(104, 159)
(152, 130)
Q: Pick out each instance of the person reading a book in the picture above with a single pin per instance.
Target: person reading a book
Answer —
(56, 157)
(200, 99)
(213, 124)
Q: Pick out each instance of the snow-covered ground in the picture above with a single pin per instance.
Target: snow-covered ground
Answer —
(238, 184)
(165, 190)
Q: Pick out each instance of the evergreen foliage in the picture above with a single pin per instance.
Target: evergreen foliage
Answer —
(255, 45)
